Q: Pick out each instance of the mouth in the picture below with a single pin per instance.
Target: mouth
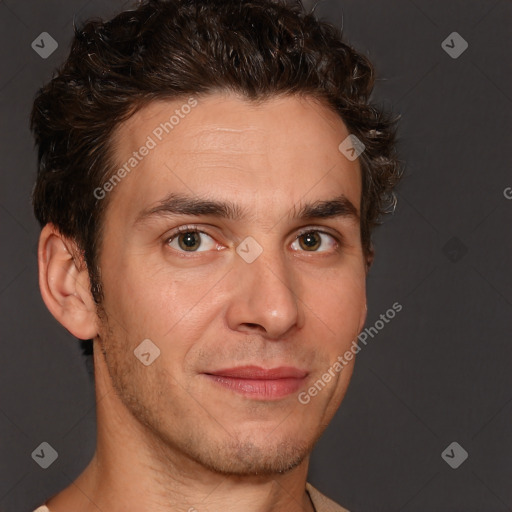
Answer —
(260, 383)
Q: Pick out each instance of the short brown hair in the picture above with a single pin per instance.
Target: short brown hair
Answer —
(172, 49)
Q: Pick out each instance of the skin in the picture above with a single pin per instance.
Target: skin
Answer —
(168, 437)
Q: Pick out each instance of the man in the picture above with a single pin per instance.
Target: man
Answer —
(209, 176)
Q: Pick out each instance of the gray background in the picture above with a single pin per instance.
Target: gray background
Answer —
(438, 372)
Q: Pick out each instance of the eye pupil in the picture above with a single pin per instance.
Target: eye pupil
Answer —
(311, 241)
(190, 240)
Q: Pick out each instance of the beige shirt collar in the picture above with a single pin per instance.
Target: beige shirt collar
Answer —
(320, 502)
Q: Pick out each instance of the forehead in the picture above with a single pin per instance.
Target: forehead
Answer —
(227, 147)
(203, 120)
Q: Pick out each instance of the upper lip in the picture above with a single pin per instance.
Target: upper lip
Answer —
(258, 373)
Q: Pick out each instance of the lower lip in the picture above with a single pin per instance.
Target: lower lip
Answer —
(260, 389)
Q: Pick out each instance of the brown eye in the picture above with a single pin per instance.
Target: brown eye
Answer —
(311, 241)
(190, 240)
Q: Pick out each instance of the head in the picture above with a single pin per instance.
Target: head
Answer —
(241, 108)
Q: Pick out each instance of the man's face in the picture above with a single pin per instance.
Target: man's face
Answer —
(209, 307)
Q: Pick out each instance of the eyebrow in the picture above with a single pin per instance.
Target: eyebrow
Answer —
(180, 204)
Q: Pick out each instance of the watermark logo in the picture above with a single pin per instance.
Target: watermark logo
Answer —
(147, 352)
(45, 455)
(454, 45)
(249, 249)
(44, 45)
(454, 455)
(351, 147)
(454, 249)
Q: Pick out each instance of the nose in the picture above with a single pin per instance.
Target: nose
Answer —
(265, 297)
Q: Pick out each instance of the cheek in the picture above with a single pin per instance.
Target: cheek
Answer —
(339, 302)
(140, 305)
(165, 305)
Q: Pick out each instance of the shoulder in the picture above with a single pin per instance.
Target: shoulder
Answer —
(323, 503)
(42, 508)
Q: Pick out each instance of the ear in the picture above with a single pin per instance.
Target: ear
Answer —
(65, 285)
(370, 256)
(362, 319)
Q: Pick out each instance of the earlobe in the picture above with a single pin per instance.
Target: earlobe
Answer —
(64, 284)
(362, 319)
(369, 258)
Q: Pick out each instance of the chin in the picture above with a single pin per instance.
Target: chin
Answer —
(235, 457)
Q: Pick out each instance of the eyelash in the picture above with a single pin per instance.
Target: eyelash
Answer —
(194, 228)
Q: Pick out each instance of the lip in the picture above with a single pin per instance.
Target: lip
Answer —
(258, 373)
(260, 383)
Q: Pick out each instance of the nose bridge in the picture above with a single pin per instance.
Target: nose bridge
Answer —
(266, 294)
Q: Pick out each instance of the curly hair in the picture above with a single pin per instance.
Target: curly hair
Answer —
(170, 49)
